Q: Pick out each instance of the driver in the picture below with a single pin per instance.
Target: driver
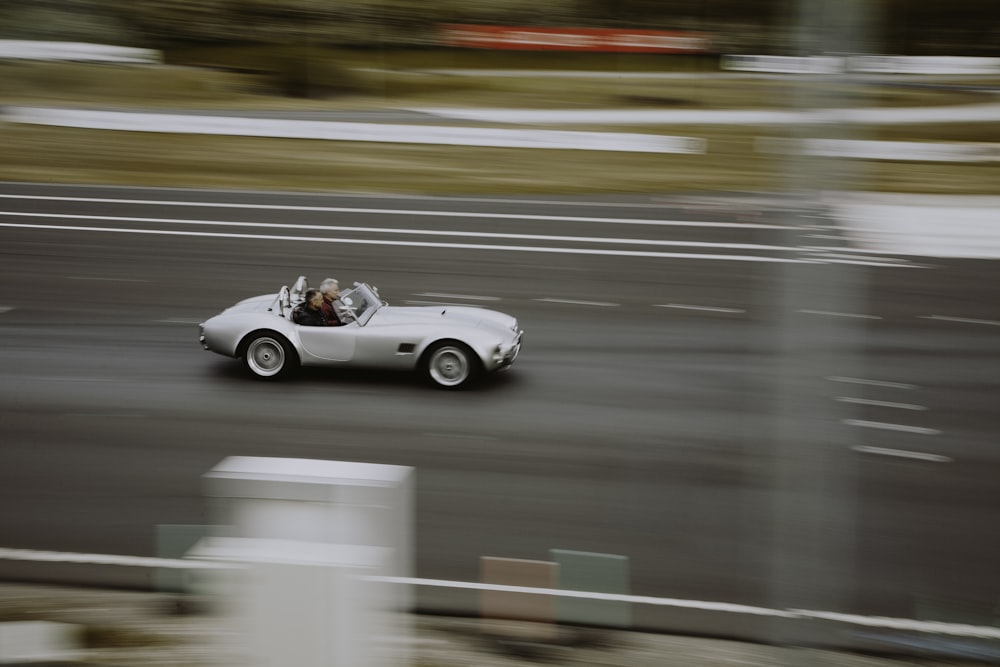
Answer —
(310, 312)
(330, 289)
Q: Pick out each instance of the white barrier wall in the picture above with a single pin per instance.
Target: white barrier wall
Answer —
(16, 49)
(861, 64)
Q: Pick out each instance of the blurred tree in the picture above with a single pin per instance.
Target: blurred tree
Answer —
(64, 20)
(958, 27)
(909, 26)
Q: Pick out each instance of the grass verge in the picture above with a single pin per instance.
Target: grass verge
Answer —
(732, 163)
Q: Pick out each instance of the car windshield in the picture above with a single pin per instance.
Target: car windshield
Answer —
(360, 303)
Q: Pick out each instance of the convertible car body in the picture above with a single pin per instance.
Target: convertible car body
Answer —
(451, 345)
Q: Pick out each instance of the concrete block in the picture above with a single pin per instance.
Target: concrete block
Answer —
(306, 603)
(38, 641)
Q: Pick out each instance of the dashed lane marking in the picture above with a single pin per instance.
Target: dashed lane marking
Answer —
(712, 309)
(436, 295)
(874, 383)
(110, 280)
(835, 314)
(879, 404)
(891, 427)
(901, 453)
(866, 262)
(962, 320)
(412, 302)
(580, 303)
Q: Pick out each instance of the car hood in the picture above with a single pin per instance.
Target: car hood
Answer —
(462, 315)
(251, 305)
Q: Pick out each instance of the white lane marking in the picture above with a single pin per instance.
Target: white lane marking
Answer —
(111, 280)
(880, 404)
(103, 415)
(460, 436)
(73, 379)
(834, 314)
(864, 262)
(712, 309)
(413, 302)
(901, 453)
(421, 244)
(580, 303)
(934, 627)
(891, 427)
(963, 320)
(837, 254)
(412, 232)
(179, 320)
(655, 204)
(874, 383)
(471, 297)
(410, 213)
(6, 309)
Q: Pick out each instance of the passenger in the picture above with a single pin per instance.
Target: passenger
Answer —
(310, 312)
(331, 291)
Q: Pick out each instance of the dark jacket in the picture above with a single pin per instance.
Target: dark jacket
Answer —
(310, 318)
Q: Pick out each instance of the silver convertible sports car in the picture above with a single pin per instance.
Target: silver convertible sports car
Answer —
(451, 345)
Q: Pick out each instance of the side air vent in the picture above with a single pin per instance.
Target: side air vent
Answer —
(406, 348)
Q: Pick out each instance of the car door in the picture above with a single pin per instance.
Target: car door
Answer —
(330, 343)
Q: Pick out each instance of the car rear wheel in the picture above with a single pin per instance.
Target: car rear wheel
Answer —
(269, 356)
(451, 365)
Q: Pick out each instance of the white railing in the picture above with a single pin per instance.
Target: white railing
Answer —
(912, 625)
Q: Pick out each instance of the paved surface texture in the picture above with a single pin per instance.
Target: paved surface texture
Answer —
(123, 628)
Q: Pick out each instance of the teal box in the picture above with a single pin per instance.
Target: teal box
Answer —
(595, 573)
(173, 541)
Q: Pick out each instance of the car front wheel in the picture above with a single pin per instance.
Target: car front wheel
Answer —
(451, 365)
(269, 356)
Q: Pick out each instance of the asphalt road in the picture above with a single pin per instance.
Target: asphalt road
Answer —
(747, 419)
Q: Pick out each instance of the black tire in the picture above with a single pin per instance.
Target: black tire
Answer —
(267, 355)
(450, 365)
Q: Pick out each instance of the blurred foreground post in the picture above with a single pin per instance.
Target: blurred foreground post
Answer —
(307, 534)
(818, 306)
